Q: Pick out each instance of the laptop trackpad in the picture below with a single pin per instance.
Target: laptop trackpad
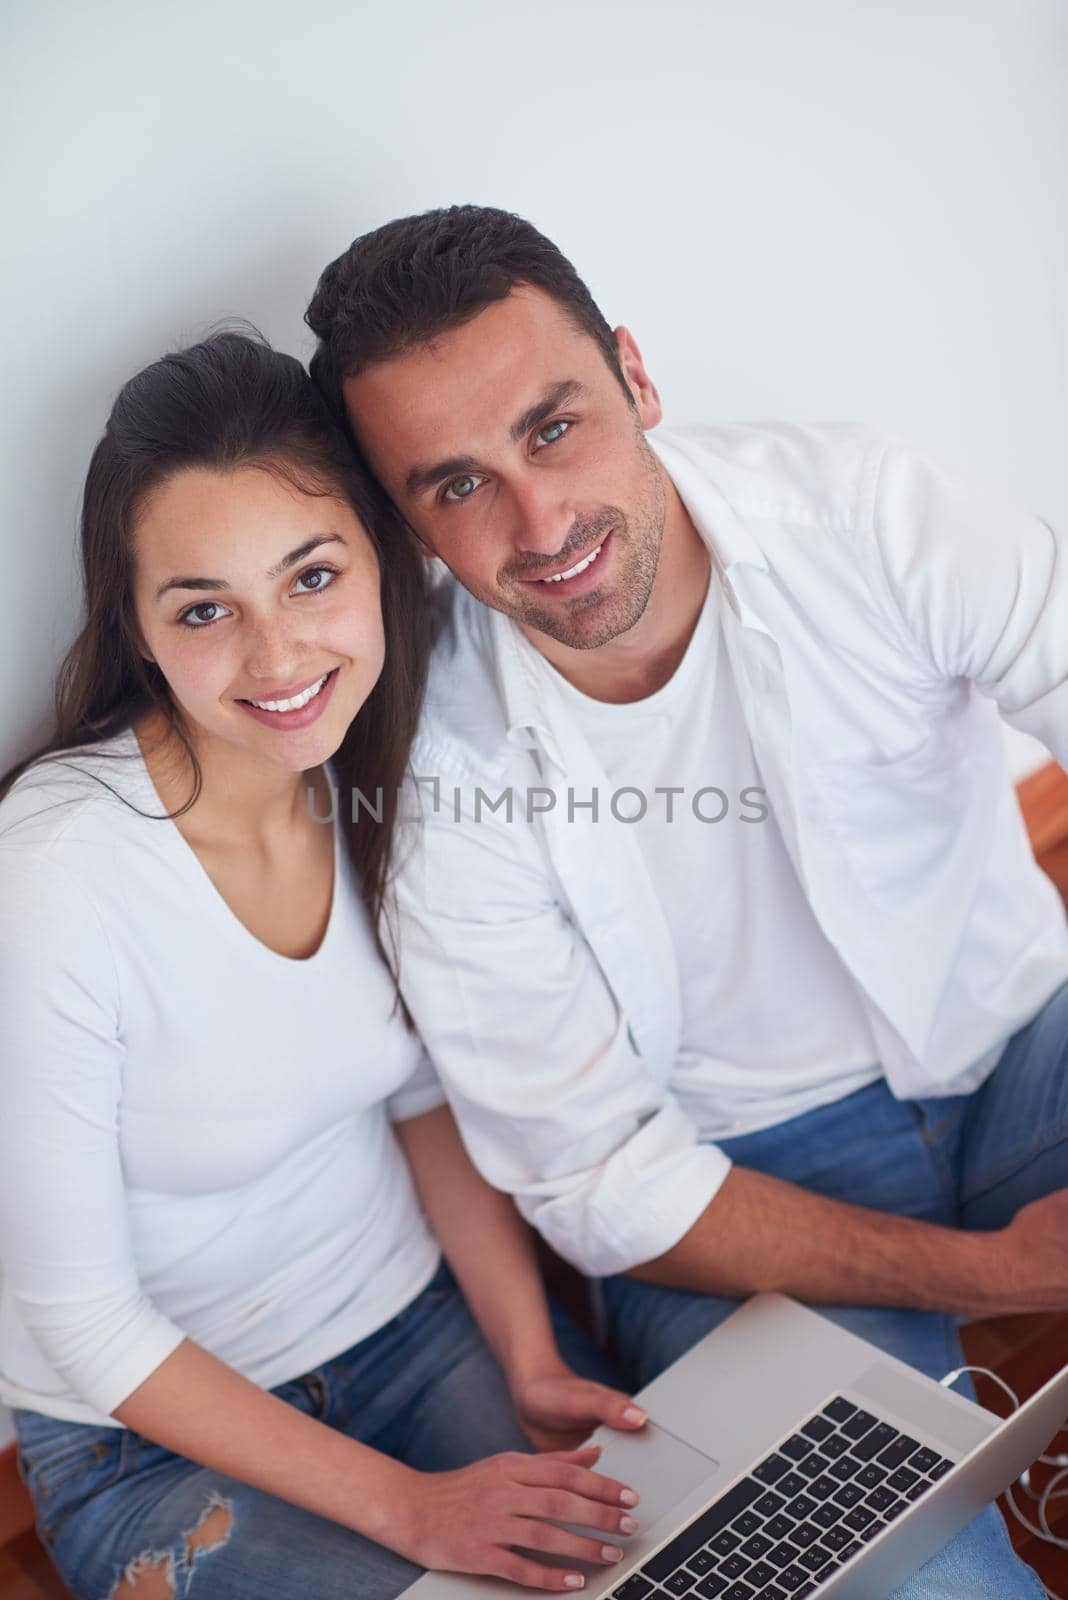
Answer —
(660, 1467)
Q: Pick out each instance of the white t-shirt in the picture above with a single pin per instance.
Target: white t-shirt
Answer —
(772, 1024)
(195, 1132)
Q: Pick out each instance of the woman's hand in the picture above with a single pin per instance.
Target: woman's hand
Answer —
(470, 1520)
(558, 1409)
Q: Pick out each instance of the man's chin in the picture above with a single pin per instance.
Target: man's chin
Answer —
(583, 624)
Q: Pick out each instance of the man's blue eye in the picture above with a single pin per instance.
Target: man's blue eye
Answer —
(462, 488)
(556, 429)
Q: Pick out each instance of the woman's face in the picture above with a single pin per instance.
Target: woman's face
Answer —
(248, 590)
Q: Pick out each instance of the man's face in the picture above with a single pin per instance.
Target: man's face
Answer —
(511, 449)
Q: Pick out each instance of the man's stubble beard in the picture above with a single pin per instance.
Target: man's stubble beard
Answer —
(594, 619)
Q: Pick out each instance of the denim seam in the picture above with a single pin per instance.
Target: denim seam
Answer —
(1009, 1169)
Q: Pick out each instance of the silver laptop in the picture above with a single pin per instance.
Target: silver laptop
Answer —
(788, 1458)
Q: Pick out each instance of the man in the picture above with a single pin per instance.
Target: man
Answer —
(723, 927)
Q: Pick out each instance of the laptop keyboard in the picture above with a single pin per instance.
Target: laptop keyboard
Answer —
(797, 1516)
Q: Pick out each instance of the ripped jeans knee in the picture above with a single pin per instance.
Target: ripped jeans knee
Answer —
(167, 1574)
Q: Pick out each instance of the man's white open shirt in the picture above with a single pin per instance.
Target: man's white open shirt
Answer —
(876, 615)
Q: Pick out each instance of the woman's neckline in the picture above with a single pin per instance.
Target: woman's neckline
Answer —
(226, 916)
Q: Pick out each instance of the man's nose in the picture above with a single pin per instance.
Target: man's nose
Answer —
(543, 520)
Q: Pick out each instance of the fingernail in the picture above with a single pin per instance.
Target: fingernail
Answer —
(574, 1580)
(635, 1414)
(610, 1552)
(627, 1497)
(627, 1525)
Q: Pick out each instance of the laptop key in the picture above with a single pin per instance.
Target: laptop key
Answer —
(761, 1574)
(923, 1460)
(701, 1562)
(871, 1476)
(894, 1509)
(793, 1579)
(897, 1451)
(739, 1591)
(879, 1499)
(680, 1582)
(711, 1587)
(778, 1528)
(783, 1555)
(791, 1484)
(757, 1546)
(835, 1446)
(813, 1465)
(918, 1489)
(747, 1523)
(633, 1588)
(823, 1488)
(801, 1508)
(769, 1503)
(734, 1566)
(844, 1468)
(724, 1543)
(836, 1539)
(817, 1428)
(848, 1495)
(772, 1468)
(813, 1560)
(859, 1518)
(772, 1592)
(795, 1447)
(902, 1479)
(858, 1424)
(874, 1441)
(701, 1530)
(939, 1471)
(839, 1410)
(804, 1534)
(827, 1515)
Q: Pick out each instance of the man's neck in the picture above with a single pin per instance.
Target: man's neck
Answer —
(639, 662)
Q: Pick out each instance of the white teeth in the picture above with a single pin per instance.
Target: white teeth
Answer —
(573, 572)
(297, 701)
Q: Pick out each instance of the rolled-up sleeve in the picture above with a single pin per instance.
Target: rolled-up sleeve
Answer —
(65, 1243)
(554, 1104)
(982, 589)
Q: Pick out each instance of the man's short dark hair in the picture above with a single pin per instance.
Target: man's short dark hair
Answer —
(407, 282)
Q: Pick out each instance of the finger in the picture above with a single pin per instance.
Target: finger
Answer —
(544, 1536)
(609, 1405)
(564, 1506)
(532, 1575)
(561, 1471)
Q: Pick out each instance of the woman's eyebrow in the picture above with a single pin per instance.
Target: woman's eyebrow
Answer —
(276, 571)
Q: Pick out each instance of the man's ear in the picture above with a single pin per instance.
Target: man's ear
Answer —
(643, 389)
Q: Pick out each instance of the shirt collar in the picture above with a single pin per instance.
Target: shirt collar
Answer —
(525, 689)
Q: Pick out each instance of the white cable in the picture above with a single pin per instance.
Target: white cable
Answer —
(1042, 1532)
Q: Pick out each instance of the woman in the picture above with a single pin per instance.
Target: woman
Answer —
(236, 1363)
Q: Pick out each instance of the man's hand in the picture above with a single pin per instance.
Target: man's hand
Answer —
(557, 1409)
(1034, 1256)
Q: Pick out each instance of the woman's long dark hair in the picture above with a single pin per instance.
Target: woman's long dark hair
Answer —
(226, 402)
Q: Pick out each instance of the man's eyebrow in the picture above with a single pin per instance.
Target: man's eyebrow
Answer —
(559, 395)
(276, 571)
(423, 478)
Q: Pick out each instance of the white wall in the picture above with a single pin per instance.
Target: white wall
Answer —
(829, 209)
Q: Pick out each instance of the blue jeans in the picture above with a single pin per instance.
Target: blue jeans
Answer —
(969, 1161)
(424, 1389)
